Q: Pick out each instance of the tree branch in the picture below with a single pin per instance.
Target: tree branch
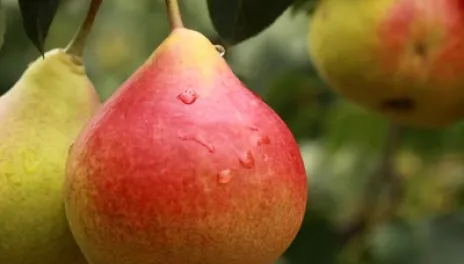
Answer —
(385, 177)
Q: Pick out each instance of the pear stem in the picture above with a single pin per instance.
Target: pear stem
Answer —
(175, 18)
(77, 44)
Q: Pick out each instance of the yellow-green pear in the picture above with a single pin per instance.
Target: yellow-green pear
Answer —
(40, 116)
(403, 59)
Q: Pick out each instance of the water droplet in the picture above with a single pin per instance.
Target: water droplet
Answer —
(224, 176)
(188, 96)
(264, 140)
(199, 140)
(247, 160)
(220, 49)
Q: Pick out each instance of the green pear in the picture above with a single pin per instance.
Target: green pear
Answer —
(40, 116)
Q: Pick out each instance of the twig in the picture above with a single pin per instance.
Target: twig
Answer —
(384, 177)
(77, 44)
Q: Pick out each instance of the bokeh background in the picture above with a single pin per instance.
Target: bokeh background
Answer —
(341, 143)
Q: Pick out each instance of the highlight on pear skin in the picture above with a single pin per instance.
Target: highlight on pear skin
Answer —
(231, 132)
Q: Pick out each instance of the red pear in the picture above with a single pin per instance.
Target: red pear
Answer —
(403, 59)
(185, 165)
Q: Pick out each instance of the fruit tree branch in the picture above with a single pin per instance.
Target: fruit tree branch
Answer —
(175, 18)
(384, 177)
(76, 46)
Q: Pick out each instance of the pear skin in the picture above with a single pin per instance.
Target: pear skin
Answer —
(40, 116)
(403, 59)
(184, 164)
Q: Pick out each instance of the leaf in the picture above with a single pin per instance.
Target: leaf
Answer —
(316, 241)
(2, 24)
(37, 18)
(396, 243)
(437, 239)
(239, 20)
(306, 6)
(445, 239)
(304, 107)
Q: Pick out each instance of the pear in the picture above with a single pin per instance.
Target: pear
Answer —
(184, 164)
(40, 116)
(403, 60)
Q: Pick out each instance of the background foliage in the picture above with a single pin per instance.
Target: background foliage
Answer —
(341, 142)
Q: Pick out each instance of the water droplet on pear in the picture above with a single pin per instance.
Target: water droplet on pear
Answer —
(247, 160)
(262, 140)
(188, 96)
(220, 49)
(224, 176)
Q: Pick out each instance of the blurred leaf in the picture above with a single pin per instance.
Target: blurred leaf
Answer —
(37, 18)
(2, 23)
(434, 240)
(306, 6)
(238, 20)
(316, 242)
(445, 240)
(427, 142)
(350, 124)
(431, 143)
(301, 101)
(395, 243)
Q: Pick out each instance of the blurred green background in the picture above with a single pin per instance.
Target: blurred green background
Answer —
(341, 142)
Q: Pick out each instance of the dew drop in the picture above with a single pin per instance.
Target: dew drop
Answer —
(247, 160)
(224, 176)
(188, 96)
(264, 140)
(220, 49)
(200, 141)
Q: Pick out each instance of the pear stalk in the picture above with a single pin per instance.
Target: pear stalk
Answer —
(175, 18)
(77, 44)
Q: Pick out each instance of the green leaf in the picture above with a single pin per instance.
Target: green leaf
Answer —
(37, 18)
(316, 241)
(304, 107)
(239, 20)
(437, 239)
(306, 6)
(2, 24)
(445, 239)
(396, 243)
(352, 125)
